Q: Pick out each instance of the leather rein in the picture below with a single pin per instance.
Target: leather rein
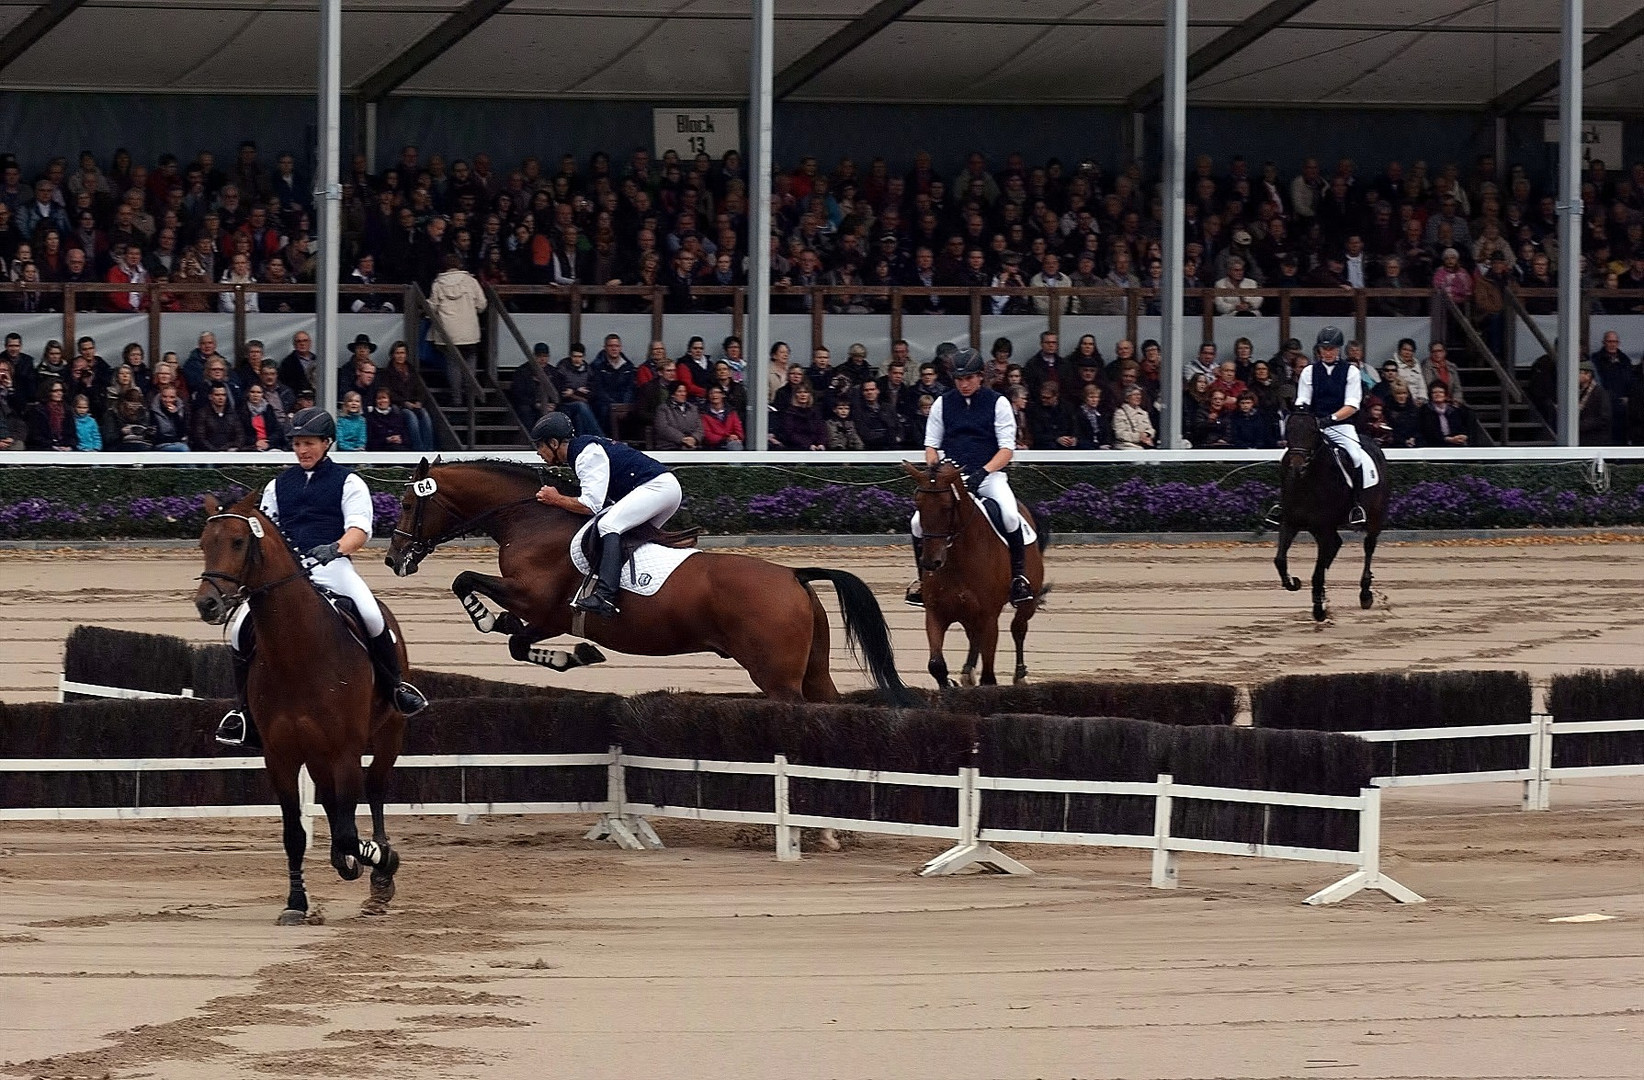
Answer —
(958, 510)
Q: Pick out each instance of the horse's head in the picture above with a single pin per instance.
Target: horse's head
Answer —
(938, 495)
(1302, 438)
(235, 561)
(425, 519)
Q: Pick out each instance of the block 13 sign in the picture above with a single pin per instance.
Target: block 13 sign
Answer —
(689, 132)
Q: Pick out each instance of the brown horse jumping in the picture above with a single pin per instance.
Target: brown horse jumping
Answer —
(312, 693)
(966, 572)
(764, 616)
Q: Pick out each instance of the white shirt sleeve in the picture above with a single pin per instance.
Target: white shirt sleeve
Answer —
(933, 426)
(270, 504)
(1004, 424)
(594, 474)
(1304, 387)
(1355, 389)
(356, 505)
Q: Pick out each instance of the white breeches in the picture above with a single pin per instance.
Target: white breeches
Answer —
(1346, 436)
(653, 501)
(338, 576)
(997, 488)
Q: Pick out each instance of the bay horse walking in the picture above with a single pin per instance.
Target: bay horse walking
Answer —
(312, 691)
(764, 616)
(966, 573)
(1315, 497)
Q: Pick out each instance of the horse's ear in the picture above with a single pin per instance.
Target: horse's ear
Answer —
(422, 470)
(212, 506)
(439, 459)
(913, 470)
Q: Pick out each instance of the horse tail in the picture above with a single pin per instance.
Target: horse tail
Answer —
(865, 631)
(1043, 529)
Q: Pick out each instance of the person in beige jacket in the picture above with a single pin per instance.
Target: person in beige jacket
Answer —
(457, 300)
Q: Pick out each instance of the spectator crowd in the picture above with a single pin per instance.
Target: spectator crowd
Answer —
(679, 226)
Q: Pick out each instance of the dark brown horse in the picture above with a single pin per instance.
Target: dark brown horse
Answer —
(312, 693)
(966, 572)
(763, 616)
(1315, 497)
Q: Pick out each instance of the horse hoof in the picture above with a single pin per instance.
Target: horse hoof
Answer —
(374, 907)
(828, 840)
(349, 868)
(1293, 584)
(291, 917)
(1367, 599)
(966, 678)
(1319, 614)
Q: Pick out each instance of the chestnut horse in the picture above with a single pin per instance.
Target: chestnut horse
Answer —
(1315, 497)
(965, 572)
(312, 694)
(763, 616)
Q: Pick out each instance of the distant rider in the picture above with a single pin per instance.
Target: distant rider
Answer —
(623, 486)
(1330, 389)
(975, 427)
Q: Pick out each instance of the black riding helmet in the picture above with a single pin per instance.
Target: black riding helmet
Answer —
(555, 425)
(1329, 338)
(314, 421)
(966, 362)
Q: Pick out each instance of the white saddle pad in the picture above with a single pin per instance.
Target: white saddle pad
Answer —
(1029, 536)
(645, 573)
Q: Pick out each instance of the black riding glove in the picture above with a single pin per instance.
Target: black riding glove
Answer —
(324, 553)
(973, 480)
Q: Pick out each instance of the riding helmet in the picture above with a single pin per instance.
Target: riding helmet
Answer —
(314, 421)
(554, 425)
(966, 362)
(1329, 338)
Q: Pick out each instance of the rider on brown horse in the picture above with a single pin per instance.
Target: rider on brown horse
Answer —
(1331, 390)
(324, 510)
(624, 487)
(974, 426)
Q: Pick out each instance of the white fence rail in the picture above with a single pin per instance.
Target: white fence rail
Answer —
(624, 821)
(1537, 773)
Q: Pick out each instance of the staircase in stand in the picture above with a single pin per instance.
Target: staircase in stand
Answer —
(1506, 421)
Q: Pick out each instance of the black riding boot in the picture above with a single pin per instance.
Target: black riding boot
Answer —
(1355, 515)
(1021, 590)
(236, 728)
(602, 601)
(385, 657)
(916, 592)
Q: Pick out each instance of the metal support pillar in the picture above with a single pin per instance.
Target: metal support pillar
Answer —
(370, 136)
(1173, 146)
(1569, 225)
(328, 199)
(757, 341)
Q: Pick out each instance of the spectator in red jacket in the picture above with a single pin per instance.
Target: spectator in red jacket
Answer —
(721, 425)
(128, 270)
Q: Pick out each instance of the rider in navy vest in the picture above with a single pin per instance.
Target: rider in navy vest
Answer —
(324, 511)
(623, 486)
(974, 426)
(1332, 391)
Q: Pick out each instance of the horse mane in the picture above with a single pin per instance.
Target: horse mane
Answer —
(534, 475)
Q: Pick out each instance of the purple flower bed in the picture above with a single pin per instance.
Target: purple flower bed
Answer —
(1133, 505)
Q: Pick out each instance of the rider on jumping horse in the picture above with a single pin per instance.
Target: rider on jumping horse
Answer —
(1331, 390)
(630, 488)
(324, 510)
(974, 426)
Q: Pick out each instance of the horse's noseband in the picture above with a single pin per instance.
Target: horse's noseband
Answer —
(242, 591)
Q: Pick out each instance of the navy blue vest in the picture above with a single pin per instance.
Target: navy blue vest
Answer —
(968, 436)
(311, 510)
(629, 467)
(1330, 388)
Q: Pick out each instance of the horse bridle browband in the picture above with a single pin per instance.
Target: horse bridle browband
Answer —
(426, 490)
(244, 593)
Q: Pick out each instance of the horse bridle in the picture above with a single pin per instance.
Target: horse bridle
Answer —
(426, 490)
(951, 537)
(244, 593)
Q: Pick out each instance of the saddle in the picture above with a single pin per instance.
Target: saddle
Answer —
(636, 538)
(346, 608)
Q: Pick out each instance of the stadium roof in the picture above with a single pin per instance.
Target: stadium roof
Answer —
(1492, 55)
